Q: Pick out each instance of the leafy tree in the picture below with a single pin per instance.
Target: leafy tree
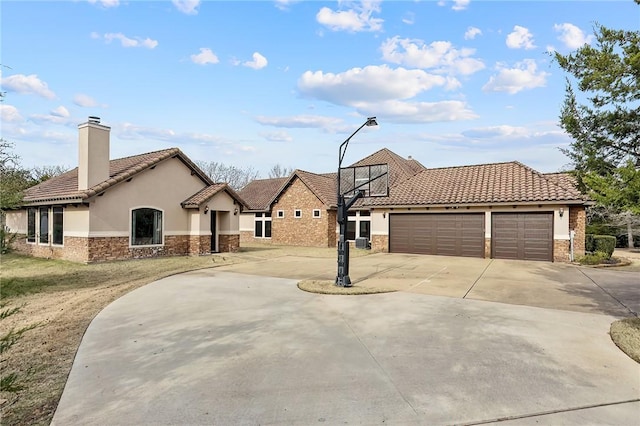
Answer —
(279, 171)
(605, 127)
(42, 173)
(14, 179)
(236, 177)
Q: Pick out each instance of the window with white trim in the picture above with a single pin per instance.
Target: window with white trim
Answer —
(280, 214)
(31, 225)
(146, 227)
(359, 225)
(44, 225)
(316, 213)
(297, 213)
(58, 226)
(262, 226)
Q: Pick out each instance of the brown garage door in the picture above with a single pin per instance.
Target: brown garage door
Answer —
(524, 236)
(455, 234)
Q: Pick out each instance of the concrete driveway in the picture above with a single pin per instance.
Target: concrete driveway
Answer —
(222, 347)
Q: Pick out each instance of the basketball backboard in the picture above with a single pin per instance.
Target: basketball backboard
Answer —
(373, 180)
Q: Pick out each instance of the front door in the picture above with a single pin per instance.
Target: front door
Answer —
(214, 248)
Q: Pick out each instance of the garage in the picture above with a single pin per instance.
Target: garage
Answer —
(522, 236)
(448, 234)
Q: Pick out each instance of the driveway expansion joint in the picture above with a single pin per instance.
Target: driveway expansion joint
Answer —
(478, 279)
(635, 314)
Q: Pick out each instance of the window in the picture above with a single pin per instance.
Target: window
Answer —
(280, 213)
(258, 229)
(316, 213)
(146, 227)
(359, 225)
(31, 225)
(58, 225)
(44, 225)
(351, 230)
(262, 227)
(297, 213)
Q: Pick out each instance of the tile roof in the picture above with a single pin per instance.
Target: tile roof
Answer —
(564, 179)
(496, 183)
(65, 186)
(322, 185)
(400, 168)
(205, 194)
(259, 193)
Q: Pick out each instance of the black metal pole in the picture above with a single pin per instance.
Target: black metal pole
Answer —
(342, 278)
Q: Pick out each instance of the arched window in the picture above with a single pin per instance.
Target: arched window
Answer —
(146, 227)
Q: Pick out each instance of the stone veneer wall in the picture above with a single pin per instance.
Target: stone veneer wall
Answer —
(100, 249)
(380, 243)
(561, 250)
(487, 248)
(304, 231)
(578, 223)
(229, 243)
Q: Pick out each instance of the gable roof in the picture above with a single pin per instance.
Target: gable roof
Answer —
(259, 193)
(564, 179)
(205, 194)
(64, 188)
(495, 183)
(400, 168)
(323, 186)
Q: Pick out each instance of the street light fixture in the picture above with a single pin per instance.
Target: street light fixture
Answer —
(342, 279)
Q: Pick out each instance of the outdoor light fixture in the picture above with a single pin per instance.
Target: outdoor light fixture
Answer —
(206, 209)
(561, 211)
(342, 278)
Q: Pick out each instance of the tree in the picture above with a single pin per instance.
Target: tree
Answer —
(14, 178)
(605, 128)
(42, 173)
(279, 171)
(236, 177)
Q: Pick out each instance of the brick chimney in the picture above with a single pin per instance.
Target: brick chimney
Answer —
(93, 153)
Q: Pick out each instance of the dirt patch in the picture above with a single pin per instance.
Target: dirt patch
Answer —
(625, 334)
(329, 287)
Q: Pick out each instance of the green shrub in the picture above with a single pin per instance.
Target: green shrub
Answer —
(589, 244)
(593, 258)
(605, 244)
(6, 241)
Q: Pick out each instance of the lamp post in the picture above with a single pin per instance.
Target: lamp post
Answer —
(342, 278)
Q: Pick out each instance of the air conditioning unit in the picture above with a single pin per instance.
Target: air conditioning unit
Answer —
(362, 243)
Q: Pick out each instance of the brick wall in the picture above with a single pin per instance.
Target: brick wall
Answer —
(199, 245)
(578, 223)
(229, 243)
(304, 231)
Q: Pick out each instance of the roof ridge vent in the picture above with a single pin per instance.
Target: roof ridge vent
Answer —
(94, 120)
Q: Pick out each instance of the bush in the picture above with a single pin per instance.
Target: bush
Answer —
(6, 241)
(593, 258)
(600, 243)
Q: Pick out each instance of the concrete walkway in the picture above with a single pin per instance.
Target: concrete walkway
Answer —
(216, 347)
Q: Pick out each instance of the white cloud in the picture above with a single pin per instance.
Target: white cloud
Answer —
(61, 111)
(370, 84)
(524, 75)
(301, 121)
(280, 136)
(520, 38)
(572, 36)
(439, 55)
(27, 84)
(106, 3)
(127, 41)
(457, 4)
(188, 7)
(85, 101)
(10, 114)
(496, 131)
(285, 4)
(472, 32)
(358, 18)
(257, 63)
(409, 18)
(417, 112)
(206, 56)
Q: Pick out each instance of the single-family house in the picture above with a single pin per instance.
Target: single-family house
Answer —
(499, 210)
(154, 204)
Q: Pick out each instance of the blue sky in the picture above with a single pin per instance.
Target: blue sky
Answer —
(259, 83)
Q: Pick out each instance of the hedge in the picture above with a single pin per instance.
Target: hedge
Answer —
(600, 243)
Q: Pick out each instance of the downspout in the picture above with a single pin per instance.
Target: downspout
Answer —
(572, 234)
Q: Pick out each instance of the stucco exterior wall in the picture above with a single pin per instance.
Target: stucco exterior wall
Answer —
(163, 187)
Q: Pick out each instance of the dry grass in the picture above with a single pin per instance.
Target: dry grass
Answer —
(63, 297)
(329, 287)
(625, 334)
